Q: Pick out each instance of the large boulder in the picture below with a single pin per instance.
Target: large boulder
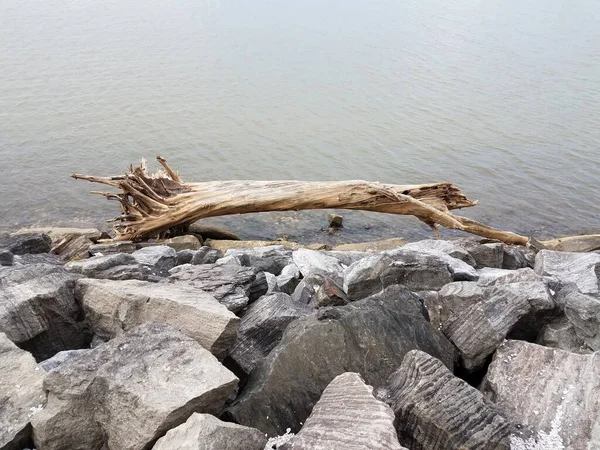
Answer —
(270, 259)
(583, 311)
(38, 311)
(69, 243)
(262, 327)
(560, 333)
(159, 257)
(492, 277)
(437, 411)
(117, 266)
(582, 269)
(21, 394)
(370, 337)
(109, 248)
(129, 392)
(550, 391)
(232, 285)
(313, 262)
(347, 417)
(112, 307)
(206, 432)
(477, 330)
(27, 243)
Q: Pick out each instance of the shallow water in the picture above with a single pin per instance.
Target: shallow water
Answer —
(500, 97)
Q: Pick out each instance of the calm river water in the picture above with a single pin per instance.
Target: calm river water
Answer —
(501, 97)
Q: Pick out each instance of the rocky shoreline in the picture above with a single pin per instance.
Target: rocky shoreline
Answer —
(224, 344)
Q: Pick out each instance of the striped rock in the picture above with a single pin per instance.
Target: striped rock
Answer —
(437, 411)
(347, 417)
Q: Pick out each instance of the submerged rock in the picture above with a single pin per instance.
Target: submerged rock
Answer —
(206, 432)
(347, 417)
(550, 391)
(127, 393)
(21, 394)
(370, 337)
(437, 411)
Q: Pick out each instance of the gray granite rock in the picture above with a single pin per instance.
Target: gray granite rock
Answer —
(347, 417)
(437, 411)
(583, 311)
(21, 394)
(206, 255)
(38, 311)
(560, 333)
(455, 249)
(109, 248)
(112, 307)
(270, 259)
(452, 299)
(61, 358)
(185, 256)
(37, 258)
(582, 269)
(129, 392)
(206, 432)
(161, 257)
(486, 254)
(232, 285)
(517, 257)
(370, 337)
(117, 266)
(491, 277)
(313, 262)
(27, 243)
(6, 258)
(550, 391)
(329, 294)
(262, 327)
(347, 257)
(288, 279)
(272, 285)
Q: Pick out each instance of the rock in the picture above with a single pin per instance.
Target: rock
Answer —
(517, 257)
(69, 243)
(185, 256)
(488, 254)
(347, 257)
(312, 262)
(272, 286)
(478, 330)
(288, 279)
(303, 293)
(329, 294)
(551, 391)
(583, 311)
(335, 221)
(21, 394)
(127, 393)
(179, 243)
(579, 268)
(32, 243)
(118, 266)
(373, 246)
(270, 259)
(233, 286)
(262, 327)
(206, 432)
(560, 333)
(437, 411)
(493, 277)
(424, 265)
(110, 248)
(160, 257)
(452, 300)
(38, 311)
(206, 255)
(61, 358)
(455, 249)
(212, 232)
(223, 246)
(112, 307)
(38, 258)
(370, 337)
(347, 417)
(6, 258)
(586, 243)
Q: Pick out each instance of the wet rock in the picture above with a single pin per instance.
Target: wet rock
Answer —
(118, 266)
(517, 257)
(262, 327)
(61, 358)
(6, 258)
(437, 411)
(31, 243)
(212, 232)
(233, 286)
(347, 416)
(583, 311)
(492, 277)
(112, 307)
(130, 391)
(38, 311)
(335, 221)
(370, 337)
(312, 262)
(21, 394)
(547, 390)
(206, 432)
(288, 279)
(270, 259)
(206, 255)
(110, 248)
(373, 246)
(560, 333)
(161, 257)
(582, 269)
(478, 330)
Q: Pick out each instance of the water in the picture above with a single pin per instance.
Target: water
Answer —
(500, 97)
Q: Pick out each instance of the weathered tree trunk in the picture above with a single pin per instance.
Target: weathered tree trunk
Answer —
(154, 203)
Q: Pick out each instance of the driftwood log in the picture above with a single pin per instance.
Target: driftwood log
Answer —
(155, 203)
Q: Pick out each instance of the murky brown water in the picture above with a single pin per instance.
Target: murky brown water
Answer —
(500, 97)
